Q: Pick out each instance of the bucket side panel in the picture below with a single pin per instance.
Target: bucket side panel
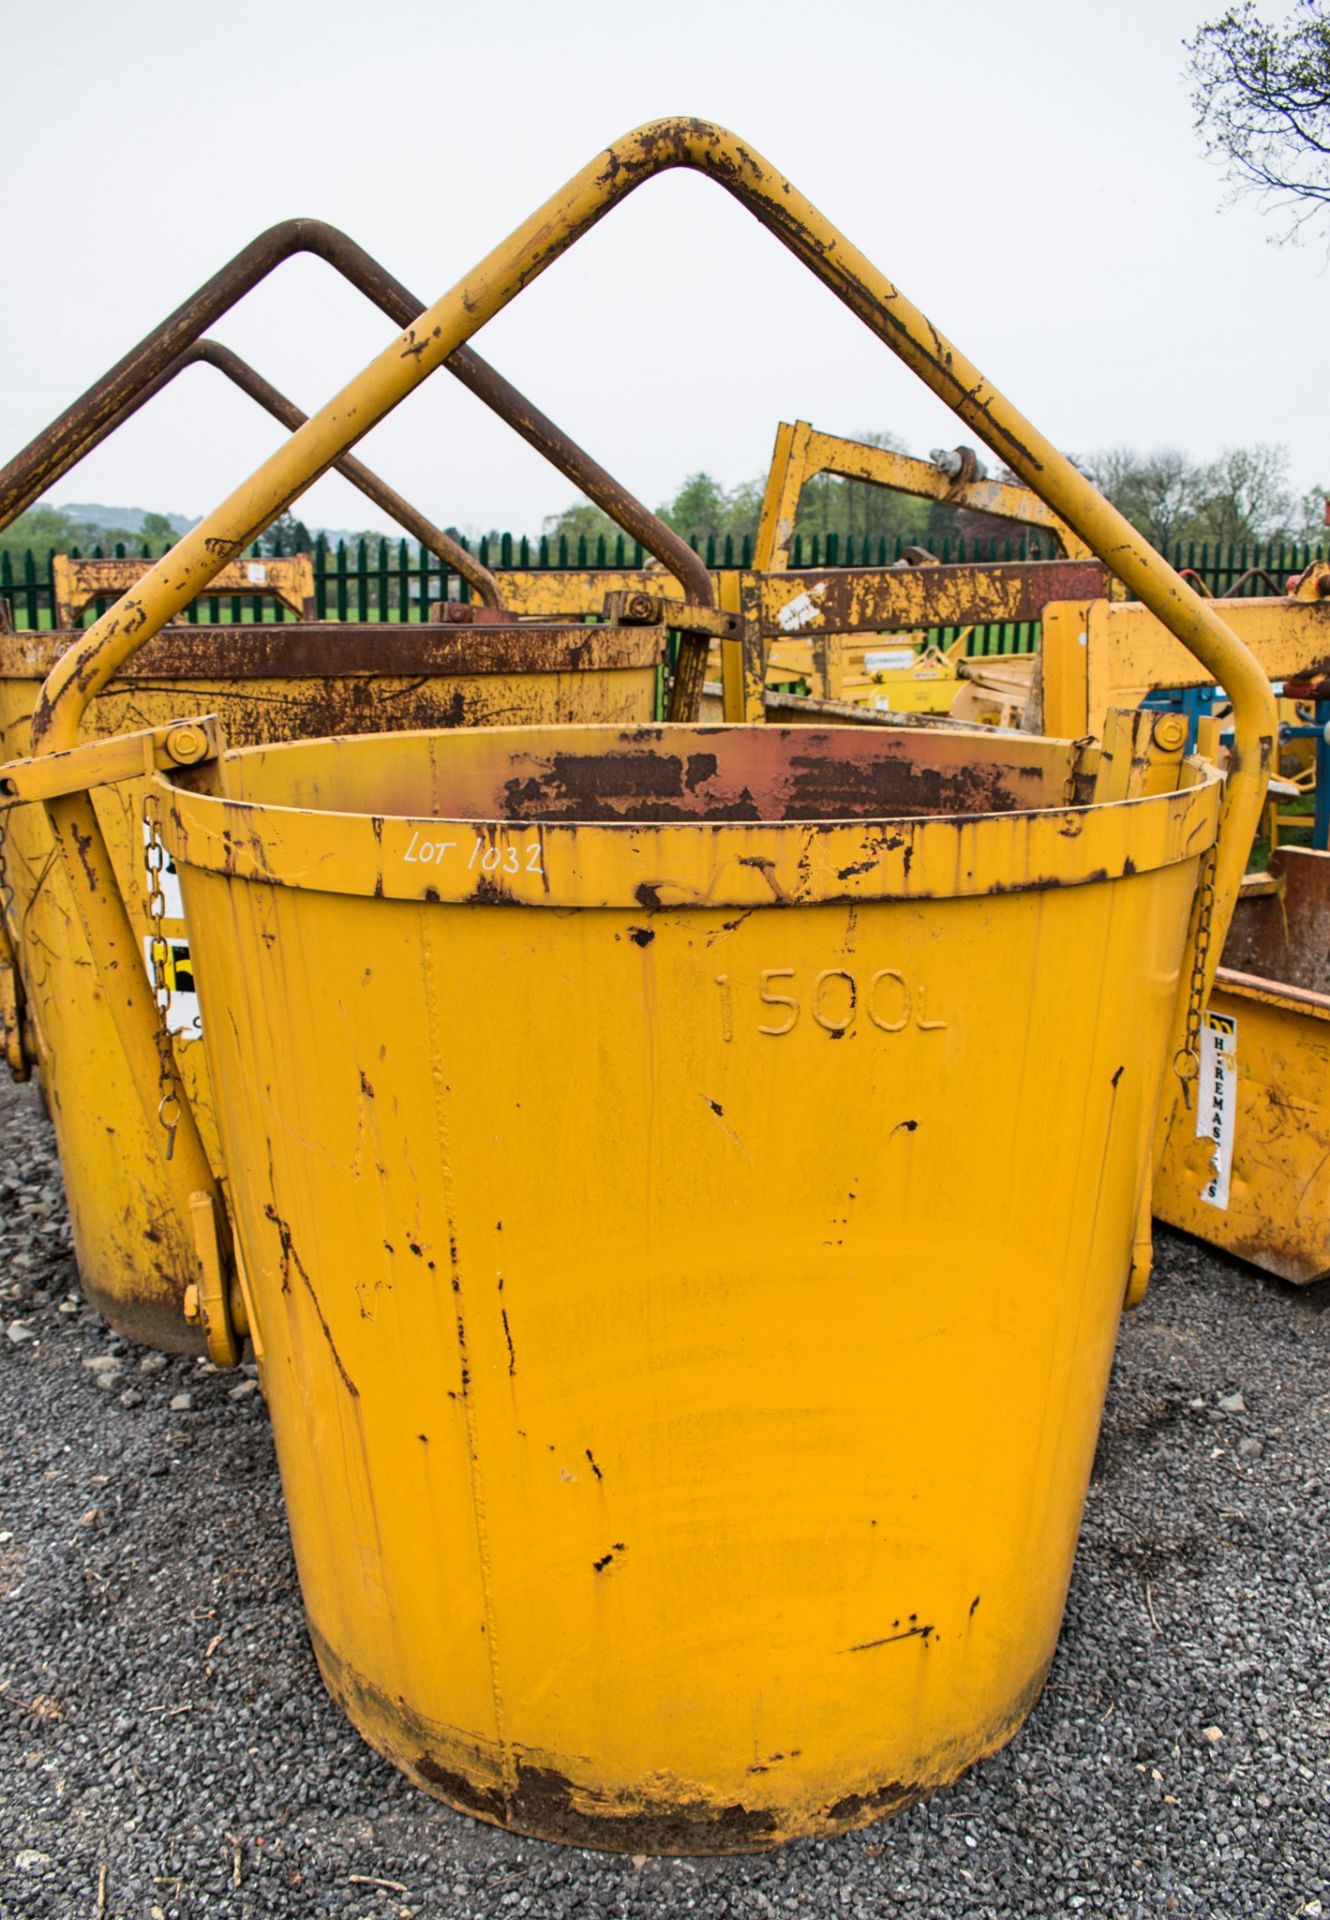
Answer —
(1275, 1209)
(687, 1332)
(134, 1254)
(131, 1248)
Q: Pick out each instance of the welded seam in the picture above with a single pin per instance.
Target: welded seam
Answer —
(435, 1055)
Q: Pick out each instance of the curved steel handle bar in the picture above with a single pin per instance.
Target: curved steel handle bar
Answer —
(135, 378)
(187, 569)
(212, 353)
(451, 321)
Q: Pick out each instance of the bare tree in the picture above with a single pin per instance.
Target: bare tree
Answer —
(1242, 495)
(1158, 491)
(1261, 93)
(1245, 495)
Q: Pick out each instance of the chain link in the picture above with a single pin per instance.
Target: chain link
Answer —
(159, 960)
(1187, 1060)
(1074, 766)
(6, 884)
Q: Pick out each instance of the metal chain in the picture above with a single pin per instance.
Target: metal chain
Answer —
(6, 884)
(1187, 1060)
(1073, 768)
(159, 959)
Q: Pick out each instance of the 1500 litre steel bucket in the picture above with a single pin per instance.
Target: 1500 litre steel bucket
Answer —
(679, 1451)
(134, 1248)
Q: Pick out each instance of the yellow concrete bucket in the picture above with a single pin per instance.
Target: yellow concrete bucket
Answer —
(134, 1247)
(679, 1454)
(709, 1456)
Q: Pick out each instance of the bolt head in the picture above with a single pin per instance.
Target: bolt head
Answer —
(191, 1305)
(186, 744)
(1170, 730)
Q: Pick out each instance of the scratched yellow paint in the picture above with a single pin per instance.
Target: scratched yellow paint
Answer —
(640, 1546)
(133, 1247)
(835, 669)
(1267, 1054)
(801, 453)
(669, 1431)
(1100, 654)
(1257, 1189)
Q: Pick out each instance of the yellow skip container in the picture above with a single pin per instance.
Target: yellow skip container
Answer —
(684, 1446)
(132, 1240)
(679, 1453)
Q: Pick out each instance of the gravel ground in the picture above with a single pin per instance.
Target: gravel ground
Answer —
(168, 1751)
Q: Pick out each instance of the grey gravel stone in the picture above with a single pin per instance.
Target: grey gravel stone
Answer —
(16, 1332)
(162, 1719)
(1251, 1449)
(181, 1402)
(131, 1397)
(1232, 1403)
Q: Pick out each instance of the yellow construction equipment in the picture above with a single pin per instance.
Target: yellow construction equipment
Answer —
(1098, 655)
(1242, 1162)
(828, 610)
(904, 673)
(78, 583)
(641, 1500)
(135, 1248)
(953, 479)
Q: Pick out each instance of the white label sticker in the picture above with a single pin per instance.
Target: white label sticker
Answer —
(891, 660)
(256, 573)
(803, 611)
(1216, 1101)
(183, 1013)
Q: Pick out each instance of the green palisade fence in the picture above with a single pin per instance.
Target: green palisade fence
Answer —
(385, 580)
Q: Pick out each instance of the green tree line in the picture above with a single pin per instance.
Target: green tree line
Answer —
(1245, 494)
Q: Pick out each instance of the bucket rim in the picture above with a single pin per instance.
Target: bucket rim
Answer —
(451, 858)
(351, 649)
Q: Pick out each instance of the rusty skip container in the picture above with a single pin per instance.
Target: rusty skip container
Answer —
(133, 1244)
(709, 1459)
(1244, 1165)
(676, 1457)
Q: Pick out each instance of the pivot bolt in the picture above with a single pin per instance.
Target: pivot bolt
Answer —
(186, 745)
(1170, 731)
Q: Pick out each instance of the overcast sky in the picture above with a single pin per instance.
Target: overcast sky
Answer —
(1026, 172)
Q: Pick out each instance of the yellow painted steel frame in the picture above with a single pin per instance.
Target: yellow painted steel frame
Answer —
(133, 1244)
(1098, 654)
(561, 592)
(1268, 1029)
(801, 452)
(678, 1457)
(422, 348)
(288, 578)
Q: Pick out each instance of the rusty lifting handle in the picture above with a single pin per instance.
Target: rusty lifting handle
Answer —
(184, 572)
(146, 368)
(239, 372)
(868, 293)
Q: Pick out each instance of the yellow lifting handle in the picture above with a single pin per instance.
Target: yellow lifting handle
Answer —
(186, 570)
